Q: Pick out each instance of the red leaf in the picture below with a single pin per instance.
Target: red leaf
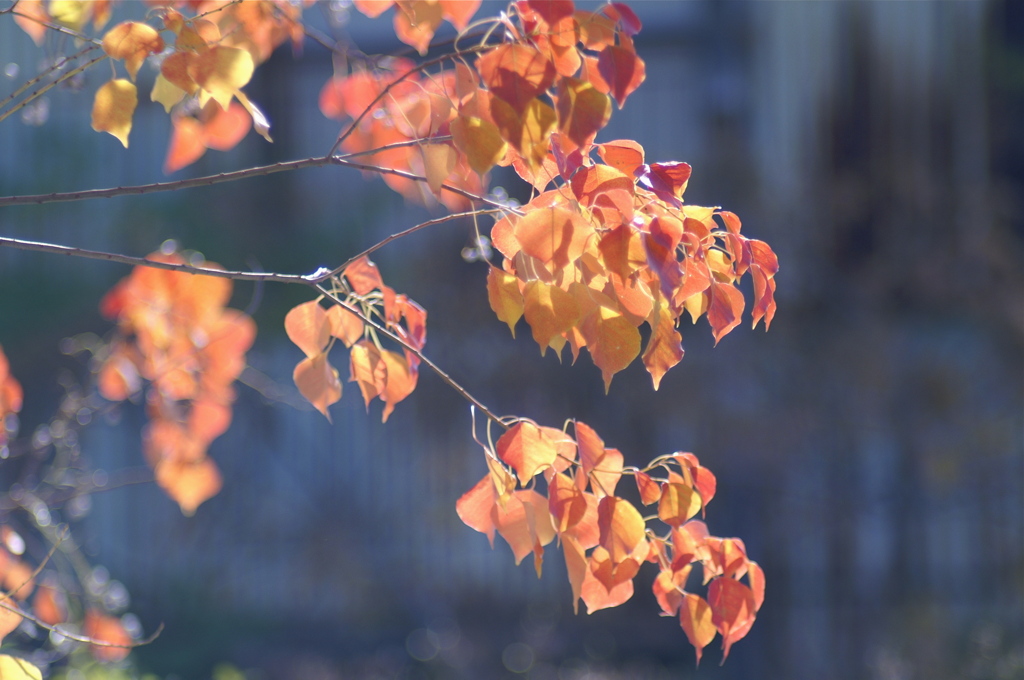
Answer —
(622, 69)
(725, 309)
(516, 74)
(732, 610)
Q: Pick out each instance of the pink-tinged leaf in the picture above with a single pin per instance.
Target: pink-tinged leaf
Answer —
(668, 589)
(622, 69)
(576, 566)
(552, 10)
(516, 74)
(626, 18)
(650, 490)
(624, 155)
(596, 596)
(459, 12)
(373, 8)
(666, 180)
(363, 276)
(475, 506)
(695, 617)
(732, 610)
(725, 309)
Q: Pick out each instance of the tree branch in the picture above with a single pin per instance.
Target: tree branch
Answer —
(327, 292)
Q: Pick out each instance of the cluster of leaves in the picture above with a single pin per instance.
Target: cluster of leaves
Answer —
(604, 537)
(212, 56)
(175, 333)
(360, 294)
(605, 245)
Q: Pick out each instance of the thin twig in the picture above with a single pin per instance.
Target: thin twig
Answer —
(55, 67)
(49, 86)
(327, 292)
(75, 636)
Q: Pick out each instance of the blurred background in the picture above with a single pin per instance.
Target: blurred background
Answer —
(869, 449)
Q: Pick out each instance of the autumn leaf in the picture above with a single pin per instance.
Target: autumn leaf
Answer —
(516, 74)
(479, 140)
(416, 22)
(368, 369)
(438, 162)
(220, 72)
(113, 108)
(318, 382)
(474, 507)
(132, 41)
(695, 617)
(678, 503)
(622, 69)
(582, 110)
(401, 381)
(622, 527)
(732, 609)
(189, 483)
(549, 310)
(528, 448)
(307, 325)
(29, 15)
(344, 325)
(504, 296)
(14, 668)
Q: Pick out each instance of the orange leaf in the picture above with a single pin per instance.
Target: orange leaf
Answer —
(108, 629)
(28, 15)
(516, 74)
(132, 41)
(113, 108)
(550, 311)
(622, 69)
(601, 466)
(696, 620)
(363, 276)
(344, 325)
(226, 128)
(187, 143)
(373, 8)
(49, 606)
(308, 327)
(528, 448)
(678, 504)
(459, 12)
(318, 382)
(576, 566)
(596, 596)
(624, 155)
(732, 610)
(613, 341)
(189, 483)
(220, 71)
(566, 501)
(476, 505)
(401, 381)
(622, 527)
(368, 369)
(505, 298)
(664, 348)
(667, 588)
(725, 308)
(553, 235)
(650, 490)
(416, 22)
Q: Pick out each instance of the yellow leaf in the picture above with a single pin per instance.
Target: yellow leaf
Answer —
(166, 93)
(612, 340)
(438, 162)
(505, 298)
(113, 108)
(549, 310)
(259, 121)
(221, 71)
(12, 668)
(70, 13)
(480, 141)
(132, 41)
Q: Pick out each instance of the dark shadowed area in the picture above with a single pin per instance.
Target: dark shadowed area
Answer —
(869, 448)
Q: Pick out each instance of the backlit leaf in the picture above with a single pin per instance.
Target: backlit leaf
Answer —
(28, 15)
(106, 629)
(582, 110)
(363, 276)
(696, 620)
(367, 369)
(113, 108)
(14, 668)
(401, 381)
(664, 347)
(732, 609)
(308, 327)
(553, 235)
(504, 296)
(622, 69)
(438, 162)
(528, 448)
(650, 490)
(678, 503)
(612, 340)
(344, 325)
(516, 74)
(549, 310)
(318, 382)
(724, 309)
(528, 132)
(221, 71)
(475, 506)
(132, 41)
(622, 527)
(624, 155)
(189, 484)
(479, 140)
(416, 22)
